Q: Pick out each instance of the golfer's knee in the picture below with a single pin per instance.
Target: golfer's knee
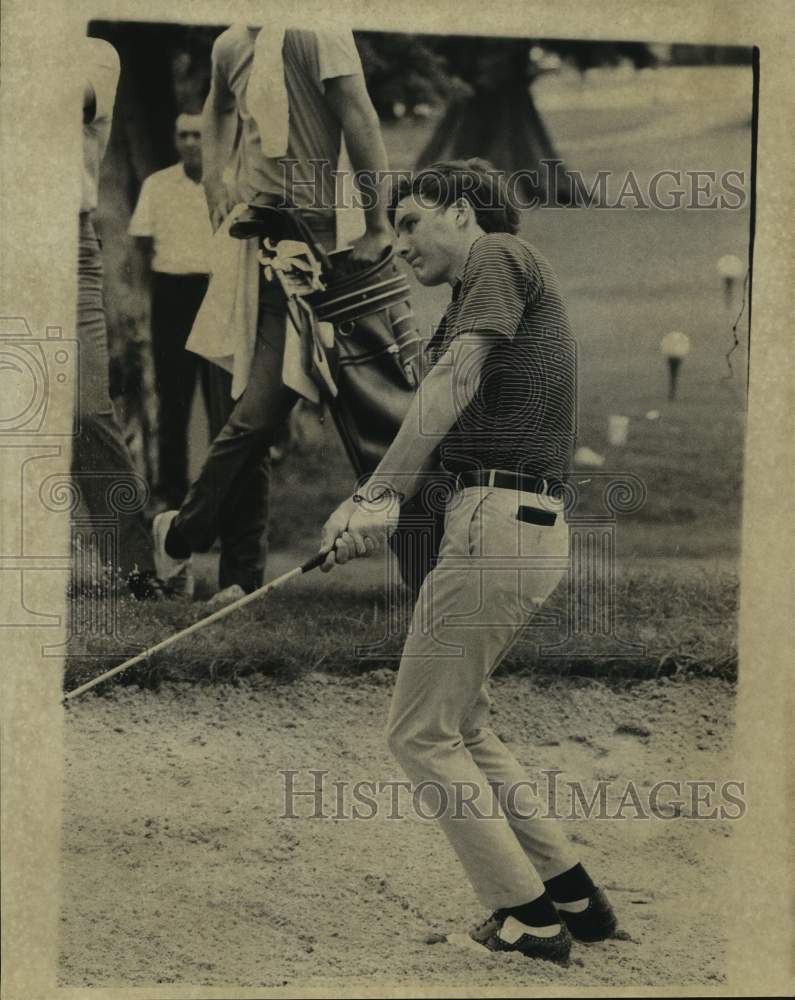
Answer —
(250, 425)
(475, 737)
(245, 441)
(409, 742)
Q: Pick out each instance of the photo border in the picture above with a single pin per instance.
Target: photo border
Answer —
(38, 193)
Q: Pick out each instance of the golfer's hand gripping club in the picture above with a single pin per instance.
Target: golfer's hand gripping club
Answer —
(355, 530)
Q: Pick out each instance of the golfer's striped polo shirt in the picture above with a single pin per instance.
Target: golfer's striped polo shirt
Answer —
(523, 416)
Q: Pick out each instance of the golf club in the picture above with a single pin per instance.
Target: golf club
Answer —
(310, 564)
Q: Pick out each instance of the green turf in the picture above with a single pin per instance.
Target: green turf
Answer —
(679, 623)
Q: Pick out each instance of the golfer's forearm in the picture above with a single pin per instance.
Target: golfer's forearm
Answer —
(402, 467)
(445, 392)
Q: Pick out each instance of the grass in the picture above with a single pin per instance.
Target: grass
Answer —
(685, 624)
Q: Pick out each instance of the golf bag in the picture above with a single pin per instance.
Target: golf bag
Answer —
(375, 356)
(361, 350)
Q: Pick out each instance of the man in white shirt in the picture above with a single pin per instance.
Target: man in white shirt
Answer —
(171, 221)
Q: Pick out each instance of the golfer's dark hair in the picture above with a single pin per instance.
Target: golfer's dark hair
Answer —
(478, 181)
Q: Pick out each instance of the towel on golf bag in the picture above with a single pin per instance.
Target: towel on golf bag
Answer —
(225, 327)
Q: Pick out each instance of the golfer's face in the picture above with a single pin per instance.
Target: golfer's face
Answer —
(424, 240)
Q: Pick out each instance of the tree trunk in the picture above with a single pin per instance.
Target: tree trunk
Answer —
(498, 121)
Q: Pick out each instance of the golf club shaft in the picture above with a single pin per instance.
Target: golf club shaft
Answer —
(214, 617)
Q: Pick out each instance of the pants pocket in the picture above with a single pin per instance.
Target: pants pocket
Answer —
(476, 542)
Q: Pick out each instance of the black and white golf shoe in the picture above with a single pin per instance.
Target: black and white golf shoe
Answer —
(597, 922)
(502, 932)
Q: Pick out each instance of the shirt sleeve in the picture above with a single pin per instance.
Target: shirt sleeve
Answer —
(224, 94)
(337, 55)
(499, 282)
(141, 222)
(103, 75)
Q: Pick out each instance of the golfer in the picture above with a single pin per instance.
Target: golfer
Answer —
(497, 410)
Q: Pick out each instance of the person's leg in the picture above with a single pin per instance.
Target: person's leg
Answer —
(583, 907)
(469, 611)
(101, 464)
(231, 494)
(111, 488)
(206, 381)
(220, 492)
(542, 839)
(174, 384)
(175, 302)
(243, 520)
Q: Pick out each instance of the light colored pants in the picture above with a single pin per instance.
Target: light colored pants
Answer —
(493, 570)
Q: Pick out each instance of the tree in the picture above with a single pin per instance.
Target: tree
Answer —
(494, 115)
(402, 70)
(487, 84)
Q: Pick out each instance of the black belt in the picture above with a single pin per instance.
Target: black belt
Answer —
(511, 481)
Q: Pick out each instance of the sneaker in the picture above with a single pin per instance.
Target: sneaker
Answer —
(596, 922)
(177, 574)
(226, 596)
(505, 933)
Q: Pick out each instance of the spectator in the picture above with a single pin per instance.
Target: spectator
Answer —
(171, 222)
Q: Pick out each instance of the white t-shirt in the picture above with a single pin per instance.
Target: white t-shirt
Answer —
(172, 210)
(310, 58)
(102, 70)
